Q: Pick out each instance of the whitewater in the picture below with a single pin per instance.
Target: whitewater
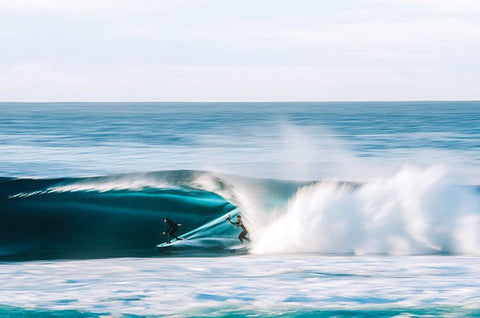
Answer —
(353, 209)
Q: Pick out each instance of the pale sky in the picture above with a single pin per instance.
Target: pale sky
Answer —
(239, 50)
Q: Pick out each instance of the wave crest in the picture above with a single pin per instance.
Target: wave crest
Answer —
(417, 211)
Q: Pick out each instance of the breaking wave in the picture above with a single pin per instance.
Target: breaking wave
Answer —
(416, 211)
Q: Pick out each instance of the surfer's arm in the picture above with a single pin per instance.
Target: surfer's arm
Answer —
(229, 219)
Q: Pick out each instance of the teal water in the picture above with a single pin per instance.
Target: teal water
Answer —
(270, 285)
(251, 139)
(354, 209)
(415, 312)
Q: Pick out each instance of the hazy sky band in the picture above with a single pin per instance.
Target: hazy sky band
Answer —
(60, 50)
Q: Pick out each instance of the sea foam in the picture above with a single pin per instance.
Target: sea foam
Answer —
(416, 211)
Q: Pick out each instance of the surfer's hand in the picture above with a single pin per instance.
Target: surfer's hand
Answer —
(163, 233)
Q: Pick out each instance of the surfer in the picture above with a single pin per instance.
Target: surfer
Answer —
(243, 235)
(172, 228)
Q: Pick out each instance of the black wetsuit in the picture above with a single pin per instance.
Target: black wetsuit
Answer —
(172, 228)
(243, 234)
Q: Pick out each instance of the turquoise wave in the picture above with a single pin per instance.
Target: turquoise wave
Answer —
(112, 216)
(122, 215)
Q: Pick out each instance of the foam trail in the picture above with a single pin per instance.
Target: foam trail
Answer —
(414, 212)
(207, 227)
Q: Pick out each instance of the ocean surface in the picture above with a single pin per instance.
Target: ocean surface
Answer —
(354, 209)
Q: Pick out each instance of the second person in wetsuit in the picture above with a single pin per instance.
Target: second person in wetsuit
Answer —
(243, 234)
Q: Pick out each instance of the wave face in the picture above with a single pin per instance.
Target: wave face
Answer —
(101, 217)
(416, 211)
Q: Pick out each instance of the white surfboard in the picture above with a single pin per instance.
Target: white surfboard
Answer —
(172, 242)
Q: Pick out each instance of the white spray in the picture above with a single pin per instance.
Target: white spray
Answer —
(414, 212)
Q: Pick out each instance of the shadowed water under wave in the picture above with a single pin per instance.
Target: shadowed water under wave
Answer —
(122, 215)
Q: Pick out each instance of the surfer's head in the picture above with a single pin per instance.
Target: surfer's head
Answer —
(165, 220)
(239, 217)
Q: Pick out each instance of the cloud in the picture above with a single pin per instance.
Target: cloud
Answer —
(432, 6)
(238, 50)
(382, 38)
(154, 82)
(131, 30)
(59, 5)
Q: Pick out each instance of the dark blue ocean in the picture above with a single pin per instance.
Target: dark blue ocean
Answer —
(365, 209)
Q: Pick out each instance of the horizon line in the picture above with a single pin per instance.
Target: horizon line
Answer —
(246, 102)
